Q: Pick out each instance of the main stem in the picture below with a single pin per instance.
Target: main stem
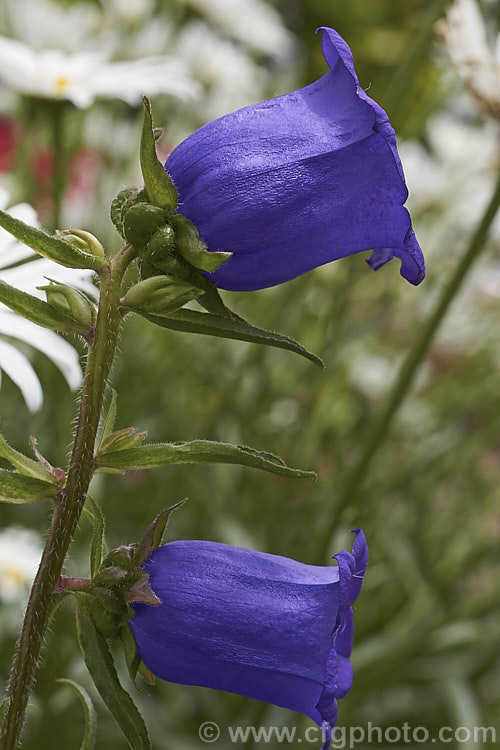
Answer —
(359, 471)
(69, 502)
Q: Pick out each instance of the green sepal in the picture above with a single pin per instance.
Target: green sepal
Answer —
(117, 204)
(160, 295)
(132, 658)
(25, 465)
(152, 537)
(90, 732)
(192, 248)
(171, 265)
(94, 514)
(120, 440)
(209, 324)
(100, 664)
(18, 489)
(198, 451)
(140, 222)
(39, 312)
(49, 246)
(160, 245)
(109, 421)
(146, 673)
(159, 187)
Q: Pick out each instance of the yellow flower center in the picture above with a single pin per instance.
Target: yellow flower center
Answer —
(13, 576)
(61, 84)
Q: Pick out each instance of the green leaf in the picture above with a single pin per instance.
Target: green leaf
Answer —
(89, 737)
(209, 324)
(39, 312)
(49, 246)
(198, 451)
(18, 489)
(102, 669)
(153, 535)
(25, 465)
(94, 514)
(159, 187)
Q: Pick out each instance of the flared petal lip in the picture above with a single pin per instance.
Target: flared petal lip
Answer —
(352, 568)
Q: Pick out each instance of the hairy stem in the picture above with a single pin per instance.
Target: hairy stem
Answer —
(69, 502)
(359, 471)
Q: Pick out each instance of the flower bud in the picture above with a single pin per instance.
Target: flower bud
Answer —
(83, 240)
(121, 440)
(70, 301)
(160, 294)
(141, 221)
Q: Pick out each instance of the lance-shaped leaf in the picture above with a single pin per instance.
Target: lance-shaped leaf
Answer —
(198, 451)
(102, 669)
(89, 737)
(39, 312)
(62, 252)
(25, 465)
(159, 187)
(18, 489)
(209, 324)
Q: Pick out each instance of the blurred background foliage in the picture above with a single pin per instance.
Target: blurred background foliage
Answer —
(427, 640)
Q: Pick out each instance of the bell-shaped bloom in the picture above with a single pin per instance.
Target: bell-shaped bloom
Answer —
(252, 623)
(298, 181)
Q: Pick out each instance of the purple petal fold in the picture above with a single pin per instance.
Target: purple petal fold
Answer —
(298, 181)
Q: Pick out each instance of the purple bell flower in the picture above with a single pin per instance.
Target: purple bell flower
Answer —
(252, 623)
(298, 181)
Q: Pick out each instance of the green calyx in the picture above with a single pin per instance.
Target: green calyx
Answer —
(146, 217)
(121, 581)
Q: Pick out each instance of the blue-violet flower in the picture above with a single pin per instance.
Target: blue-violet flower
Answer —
(252, 623)
(298, 181)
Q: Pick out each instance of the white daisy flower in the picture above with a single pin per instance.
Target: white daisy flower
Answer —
(130, 12)
(42, 24)
(20, 552)
(83, 77)
(228, 74)
(33, 272)
(465, 35)
(55, 53)
(252, 22)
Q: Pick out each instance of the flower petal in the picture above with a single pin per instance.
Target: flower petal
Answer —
(298, 181)
(57, 349)
(23, 375)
